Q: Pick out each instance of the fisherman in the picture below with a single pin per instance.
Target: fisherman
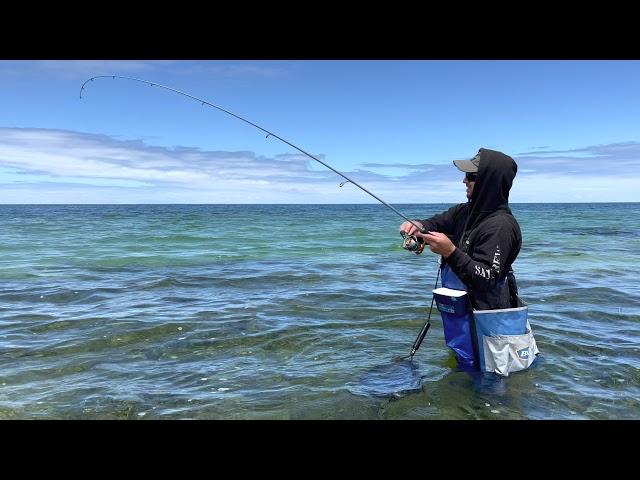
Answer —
(479, 239)
(478, 242)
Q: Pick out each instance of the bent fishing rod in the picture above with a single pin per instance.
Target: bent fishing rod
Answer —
(411, 243)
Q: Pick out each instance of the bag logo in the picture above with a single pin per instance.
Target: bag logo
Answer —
(524, 353)
(443, 307)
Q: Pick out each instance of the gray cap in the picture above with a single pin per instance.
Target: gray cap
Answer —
(470, 166)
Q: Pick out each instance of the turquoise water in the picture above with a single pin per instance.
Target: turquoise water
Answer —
(297, 312)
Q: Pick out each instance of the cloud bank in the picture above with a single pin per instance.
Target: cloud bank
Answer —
(60, 166)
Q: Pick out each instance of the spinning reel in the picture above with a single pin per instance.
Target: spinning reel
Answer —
(412, 243)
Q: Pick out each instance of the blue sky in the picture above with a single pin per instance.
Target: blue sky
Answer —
(393, 126)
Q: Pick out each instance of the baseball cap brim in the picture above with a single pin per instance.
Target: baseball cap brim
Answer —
(468, 166)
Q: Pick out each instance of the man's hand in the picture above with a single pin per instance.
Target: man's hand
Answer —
(439, 243)
(410, 229)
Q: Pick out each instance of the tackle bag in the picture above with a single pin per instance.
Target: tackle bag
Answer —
(499, 341)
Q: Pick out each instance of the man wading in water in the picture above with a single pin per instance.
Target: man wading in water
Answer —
(478, 241)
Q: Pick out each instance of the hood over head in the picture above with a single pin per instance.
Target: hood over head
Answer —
(495, 175)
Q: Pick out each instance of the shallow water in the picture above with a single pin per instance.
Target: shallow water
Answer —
(297, 312)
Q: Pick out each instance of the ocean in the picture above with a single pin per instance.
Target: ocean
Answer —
(299, 312)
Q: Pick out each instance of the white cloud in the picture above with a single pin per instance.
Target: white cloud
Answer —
(58, 166)
(79, 70)
(550, 188)
(616, 159)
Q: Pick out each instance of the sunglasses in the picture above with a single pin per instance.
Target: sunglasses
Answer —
(471, 177)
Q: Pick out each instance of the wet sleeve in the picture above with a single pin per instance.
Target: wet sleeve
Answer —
(482, 272)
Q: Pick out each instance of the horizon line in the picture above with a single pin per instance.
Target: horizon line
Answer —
(361, 203)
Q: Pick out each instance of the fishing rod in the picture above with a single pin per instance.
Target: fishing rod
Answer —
(411, 243)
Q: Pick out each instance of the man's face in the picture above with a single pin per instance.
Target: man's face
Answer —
(469, 184)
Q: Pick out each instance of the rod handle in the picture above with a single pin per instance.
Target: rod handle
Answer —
(418, 342)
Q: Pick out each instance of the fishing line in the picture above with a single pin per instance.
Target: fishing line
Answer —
(411, 243)
(408, 243)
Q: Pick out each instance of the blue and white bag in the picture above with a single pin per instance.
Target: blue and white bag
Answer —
(498, 341)
(505, 340)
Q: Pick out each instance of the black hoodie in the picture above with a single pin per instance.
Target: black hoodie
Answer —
(486, 234)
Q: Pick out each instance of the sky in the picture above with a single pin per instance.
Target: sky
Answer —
(392, 126)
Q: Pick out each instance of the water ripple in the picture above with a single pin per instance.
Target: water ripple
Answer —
(139, 312)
